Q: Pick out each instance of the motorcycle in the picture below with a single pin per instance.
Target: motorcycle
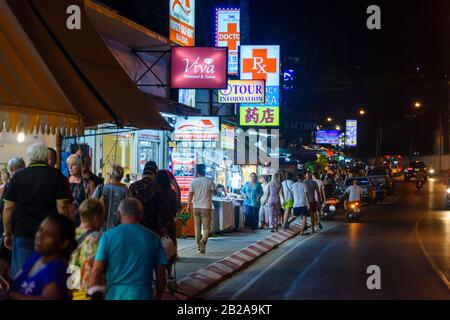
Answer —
(419, 185)
(330, 208)
(354, 211)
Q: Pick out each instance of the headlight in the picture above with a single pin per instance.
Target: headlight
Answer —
(431, 171)
(448, 190)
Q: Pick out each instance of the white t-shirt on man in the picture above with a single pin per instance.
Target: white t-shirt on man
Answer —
(354, 193)
(299, 194)
(202, 188)
(321, 188)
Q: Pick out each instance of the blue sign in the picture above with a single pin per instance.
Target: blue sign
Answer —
(327, 137)
(351, 133)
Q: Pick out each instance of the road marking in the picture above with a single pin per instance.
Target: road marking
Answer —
(276, 261)
(436, 269)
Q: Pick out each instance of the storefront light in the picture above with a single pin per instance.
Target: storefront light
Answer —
(21, 137)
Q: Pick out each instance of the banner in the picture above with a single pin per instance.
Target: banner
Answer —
(351, 133)
(198, 68)
(197, 129)
(261, 63)
(228, 35)
(243, 91)
(227, 139)
(182, 22)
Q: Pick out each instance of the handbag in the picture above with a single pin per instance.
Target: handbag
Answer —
(169, 247)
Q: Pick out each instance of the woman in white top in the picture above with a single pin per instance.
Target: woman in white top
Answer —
(264, 209)
(275, 196)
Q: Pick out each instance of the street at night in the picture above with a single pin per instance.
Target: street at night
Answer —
(226, 158)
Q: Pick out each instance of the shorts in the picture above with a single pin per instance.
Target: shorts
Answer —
(300, 211)
(312, 207)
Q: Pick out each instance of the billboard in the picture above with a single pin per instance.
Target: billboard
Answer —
(243, 91)
(327, 137)
(228, 34)
(183, 168)
(182, 22)
(187, 97)
(198, 68)
(259, 116)
(261, 63)
(351, 133)
(197, 129)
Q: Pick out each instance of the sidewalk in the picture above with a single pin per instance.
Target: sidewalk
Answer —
(225, 255)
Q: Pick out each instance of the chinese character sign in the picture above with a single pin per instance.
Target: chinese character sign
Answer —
(351, 133)
(262, 63)
(182, 22)
(228, 35)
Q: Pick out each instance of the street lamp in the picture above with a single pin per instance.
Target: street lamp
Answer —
(338, 127)
(362, 112)
(417, 105)
(329, 119)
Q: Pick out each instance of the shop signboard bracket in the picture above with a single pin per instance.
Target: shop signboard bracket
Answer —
(150, 67)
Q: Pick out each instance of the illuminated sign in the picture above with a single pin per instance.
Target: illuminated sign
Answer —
(351, 133)
(187, 97)
(197, 129)
(182, 22)
(327, 137)
(228, 35)
(227, 139)
(243, 91)
(259, 116)
(198, 68)
(183, 168)
(261, 63)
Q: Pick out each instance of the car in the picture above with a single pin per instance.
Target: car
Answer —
(378, 178)
(369, 195)
(414, 167)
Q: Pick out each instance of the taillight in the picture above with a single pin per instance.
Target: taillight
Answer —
(410, 169)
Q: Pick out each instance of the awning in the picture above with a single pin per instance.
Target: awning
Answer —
(30, 97)
(87, 71)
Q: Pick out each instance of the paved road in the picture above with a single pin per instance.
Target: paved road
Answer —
(407, 236)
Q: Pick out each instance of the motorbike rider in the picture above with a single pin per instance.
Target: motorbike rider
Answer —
(354, 192)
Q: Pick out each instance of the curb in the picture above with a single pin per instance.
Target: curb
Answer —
(205, 278)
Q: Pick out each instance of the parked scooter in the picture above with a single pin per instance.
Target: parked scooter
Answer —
(354, 211)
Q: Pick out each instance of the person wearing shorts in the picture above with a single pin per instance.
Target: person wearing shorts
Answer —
(301, 204)
(312, 188)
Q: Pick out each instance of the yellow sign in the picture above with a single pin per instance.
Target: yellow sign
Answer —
(259, 116)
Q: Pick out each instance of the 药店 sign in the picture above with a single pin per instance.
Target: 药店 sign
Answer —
(228, 34)
(182, 22)
(198, 68)
(197, 129)
(261, 63)
(259, 116)
(243, 91)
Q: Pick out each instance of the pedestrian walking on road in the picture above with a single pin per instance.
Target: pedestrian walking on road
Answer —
(288, 198)
(201, 191)
(252, 192)
(301, 202)
(321, 198)
(171, 206)
(148, 192)
(111, 194)
(312, 187)
(128, 255)
(275, 196)
(264, 208)
(92, 215)
(44, 274)
(32, 194)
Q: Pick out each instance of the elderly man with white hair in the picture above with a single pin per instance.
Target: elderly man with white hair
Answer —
(32, 194)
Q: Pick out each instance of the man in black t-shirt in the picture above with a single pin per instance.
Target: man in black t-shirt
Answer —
(33, 193)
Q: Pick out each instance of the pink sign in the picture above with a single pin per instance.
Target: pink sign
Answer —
(199, 68)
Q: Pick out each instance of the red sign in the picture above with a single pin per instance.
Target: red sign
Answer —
(199, 68)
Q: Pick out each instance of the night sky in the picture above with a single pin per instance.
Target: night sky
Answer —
(341, 65)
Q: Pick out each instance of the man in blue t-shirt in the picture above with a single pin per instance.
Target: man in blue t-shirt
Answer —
(128, 254)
